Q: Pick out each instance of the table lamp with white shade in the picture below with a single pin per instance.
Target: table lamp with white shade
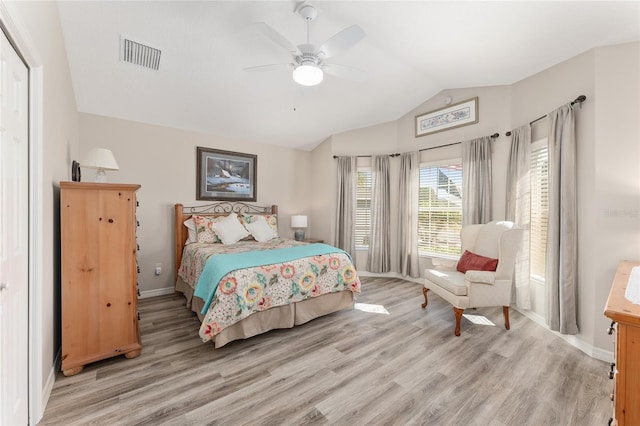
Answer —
(101, 159)
(299, 222)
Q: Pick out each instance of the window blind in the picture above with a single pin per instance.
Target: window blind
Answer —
(440, 209)
(539, 208)
(363, 208)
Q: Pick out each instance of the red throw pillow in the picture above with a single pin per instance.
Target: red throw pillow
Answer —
(474, 262)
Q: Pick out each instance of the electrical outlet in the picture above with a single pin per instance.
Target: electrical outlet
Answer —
(158, 268)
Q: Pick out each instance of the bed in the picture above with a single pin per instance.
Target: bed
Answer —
(291, 283)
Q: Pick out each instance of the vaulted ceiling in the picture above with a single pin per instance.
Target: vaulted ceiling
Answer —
(412, 50)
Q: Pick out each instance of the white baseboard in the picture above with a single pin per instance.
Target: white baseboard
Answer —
(417, 280)
(157, 292)
(575, 341)
(48, 386)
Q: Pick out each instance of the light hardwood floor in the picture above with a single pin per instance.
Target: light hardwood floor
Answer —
(349, 368)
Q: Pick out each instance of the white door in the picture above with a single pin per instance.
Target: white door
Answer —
(14, 245)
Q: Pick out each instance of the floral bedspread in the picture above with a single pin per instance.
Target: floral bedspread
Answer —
(243, 292)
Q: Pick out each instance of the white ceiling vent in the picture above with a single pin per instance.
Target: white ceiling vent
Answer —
(139, 54)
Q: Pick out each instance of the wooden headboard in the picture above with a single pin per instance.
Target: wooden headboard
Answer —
(223, 208)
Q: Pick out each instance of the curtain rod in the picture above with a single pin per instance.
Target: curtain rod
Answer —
(365, 156)
(493, 136)
(579, 100)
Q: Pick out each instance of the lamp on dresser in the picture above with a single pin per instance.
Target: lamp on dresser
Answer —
(101, 159)
(299, 222)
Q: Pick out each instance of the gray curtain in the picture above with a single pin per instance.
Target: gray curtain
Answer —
(518, 209)
(561, 267)
(408, 214)
(379, 256)
(345, 205)
(476, 177)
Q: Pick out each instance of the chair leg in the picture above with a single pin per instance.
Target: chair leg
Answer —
(458, 313)
(505, 311)
(424, 292)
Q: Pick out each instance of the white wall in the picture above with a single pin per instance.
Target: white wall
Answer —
(163, 161)
(615, 227)
(321, 209)
(37, 27)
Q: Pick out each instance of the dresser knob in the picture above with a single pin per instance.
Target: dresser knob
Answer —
(613, 365)
(611, 328)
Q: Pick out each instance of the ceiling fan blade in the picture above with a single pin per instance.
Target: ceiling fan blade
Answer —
(341, 41)
(343, 71)
(270, 67)
(277, 38)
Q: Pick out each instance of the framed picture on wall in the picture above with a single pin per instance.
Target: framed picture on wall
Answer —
(226, 175)
(456, 115)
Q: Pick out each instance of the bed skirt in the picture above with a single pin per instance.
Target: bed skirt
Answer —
(286, 316)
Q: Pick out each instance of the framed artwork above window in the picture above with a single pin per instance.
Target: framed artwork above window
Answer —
(460, 114)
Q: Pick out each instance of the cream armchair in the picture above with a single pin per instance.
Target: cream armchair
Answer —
(475, 289)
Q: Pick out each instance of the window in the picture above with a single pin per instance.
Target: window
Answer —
(539, 209)
(440, 209)
(363, 208)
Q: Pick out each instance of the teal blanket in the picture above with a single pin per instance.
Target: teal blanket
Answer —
(220, 265)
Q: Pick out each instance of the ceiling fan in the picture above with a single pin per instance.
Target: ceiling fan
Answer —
(309, 63)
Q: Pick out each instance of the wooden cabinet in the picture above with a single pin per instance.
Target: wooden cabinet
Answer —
(626, 368)
(99, 273)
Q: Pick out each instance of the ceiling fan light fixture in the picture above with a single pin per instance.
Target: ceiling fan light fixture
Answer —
(308, 75)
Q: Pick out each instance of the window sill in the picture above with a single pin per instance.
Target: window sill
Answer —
(439, 256)
(539, 281)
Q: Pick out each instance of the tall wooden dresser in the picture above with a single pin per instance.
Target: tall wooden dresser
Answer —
(99, 273)
(625, 371)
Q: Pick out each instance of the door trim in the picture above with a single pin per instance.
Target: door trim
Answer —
(26, 48)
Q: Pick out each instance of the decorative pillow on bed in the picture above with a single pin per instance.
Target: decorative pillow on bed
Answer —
(204, 228)
(471, 261)
(190, 224)
(230, 230)
(272, 220)
(260, 229)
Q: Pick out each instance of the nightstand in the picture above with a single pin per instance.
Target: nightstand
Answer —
(313, 240)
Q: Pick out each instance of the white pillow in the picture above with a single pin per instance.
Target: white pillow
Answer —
(260, 229)
(190, 224)
(230, 230)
